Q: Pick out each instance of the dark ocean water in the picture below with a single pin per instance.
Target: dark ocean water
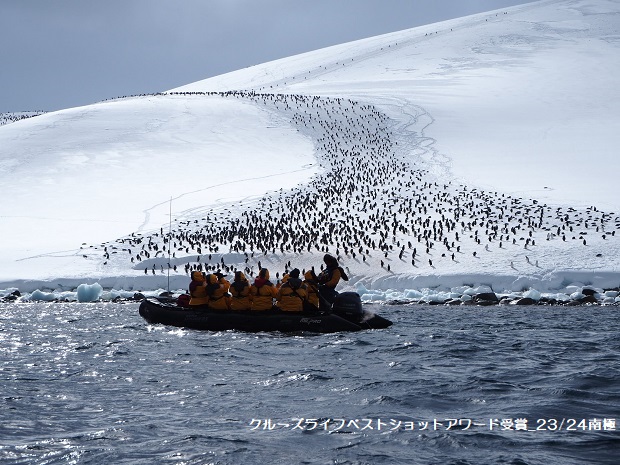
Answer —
(94, 384)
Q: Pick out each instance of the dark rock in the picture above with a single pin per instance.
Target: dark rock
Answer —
(588, 299)
(138, 296)
(486, 298)
(526, 301)
(588, 291)
(12, 297)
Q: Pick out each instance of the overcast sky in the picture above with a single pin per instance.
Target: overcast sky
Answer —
(57, 54)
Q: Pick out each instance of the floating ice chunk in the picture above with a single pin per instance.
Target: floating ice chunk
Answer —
(38, 295)
(483, 289)
(612, 294)
(460, 290)
(361, 289)
(114, 294)
(436, 297)
(373, 297)
(391, 294)
(89, 292)
(560, 297)
(574, 287)
(533, 294)
(370, 295)
(413, 294)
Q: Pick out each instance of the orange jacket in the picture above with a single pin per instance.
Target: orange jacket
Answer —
(262, 294)
(198, 289)
(330, 277)
(220, 299)
(291, 295)
(312, 288)
(240, 292)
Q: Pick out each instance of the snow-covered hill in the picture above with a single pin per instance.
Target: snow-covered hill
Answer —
(474, 151)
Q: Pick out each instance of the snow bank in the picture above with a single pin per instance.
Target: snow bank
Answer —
(556, 281)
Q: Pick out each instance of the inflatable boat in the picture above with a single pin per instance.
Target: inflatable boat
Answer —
(346, 314)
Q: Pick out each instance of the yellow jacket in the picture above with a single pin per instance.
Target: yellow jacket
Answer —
(240, 292)
(262, 294)
(291, 295)
(198, 289)
(220, 299)
(312, 288)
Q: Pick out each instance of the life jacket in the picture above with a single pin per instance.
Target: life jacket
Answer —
(263, 292)
(240, 288)
(291, 295)
(330, 277)
(198, 293)
(312, 288)
(212, 284)
(240, 292)
(219, 298)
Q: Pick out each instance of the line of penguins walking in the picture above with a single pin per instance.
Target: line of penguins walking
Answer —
(368, 203)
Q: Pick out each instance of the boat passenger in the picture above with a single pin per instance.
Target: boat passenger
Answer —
(240, 293)
(198, 289)
(262, 292)
(312, 288)
(292, 294)
(219, 297)
(328, 280)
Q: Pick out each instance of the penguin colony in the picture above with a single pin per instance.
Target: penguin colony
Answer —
(369, 206)
(7, 118)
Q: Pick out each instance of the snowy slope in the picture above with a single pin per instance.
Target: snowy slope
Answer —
(483, 144)
(533, 84)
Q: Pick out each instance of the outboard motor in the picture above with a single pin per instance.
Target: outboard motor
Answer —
(348, 305)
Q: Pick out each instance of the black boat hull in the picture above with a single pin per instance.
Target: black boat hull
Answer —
(155, 311)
